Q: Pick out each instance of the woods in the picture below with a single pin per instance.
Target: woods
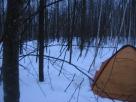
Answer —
(66, 18)
(90, 22)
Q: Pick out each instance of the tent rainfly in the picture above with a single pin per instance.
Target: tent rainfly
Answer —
(116, 78)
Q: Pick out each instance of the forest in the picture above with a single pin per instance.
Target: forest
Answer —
(71, 23)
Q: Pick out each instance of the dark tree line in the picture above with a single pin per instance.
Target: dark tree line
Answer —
(83, 19)
(90, 22)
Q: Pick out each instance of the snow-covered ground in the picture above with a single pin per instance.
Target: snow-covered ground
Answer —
(59, 88)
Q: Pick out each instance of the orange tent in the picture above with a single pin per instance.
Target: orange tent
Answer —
(116, 78)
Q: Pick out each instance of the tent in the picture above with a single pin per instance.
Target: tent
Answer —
(116, 78)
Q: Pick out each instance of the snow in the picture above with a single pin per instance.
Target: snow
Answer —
(55, 87)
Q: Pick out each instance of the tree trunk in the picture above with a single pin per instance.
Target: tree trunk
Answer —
(82, 25)
(10, 63)
(41, 40)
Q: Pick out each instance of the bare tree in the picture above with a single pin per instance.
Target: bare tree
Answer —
(11, 51)
(41, 37)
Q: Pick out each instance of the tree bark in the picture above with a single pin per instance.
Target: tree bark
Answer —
(10, 63)
(41, 39)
